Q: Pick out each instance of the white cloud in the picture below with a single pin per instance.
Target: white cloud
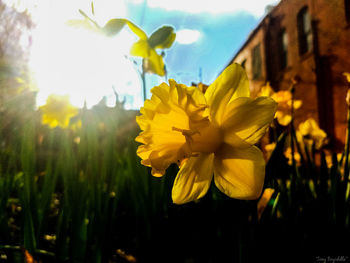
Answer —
(255, 7)
(187, 36)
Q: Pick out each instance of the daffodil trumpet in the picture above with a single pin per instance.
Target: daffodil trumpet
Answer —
(209, 135)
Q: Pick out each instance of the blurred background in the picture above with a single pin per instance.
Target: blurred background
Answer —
(73, 76)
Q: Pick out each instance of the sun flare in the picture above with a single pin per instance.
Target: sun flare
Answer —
(82, 64)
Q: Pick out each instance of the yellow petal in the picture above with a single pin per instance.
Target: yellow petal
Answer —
(297, 104)
(231, 84)
(154, 63)
(283, 118)
(138, 31)
(140, 49)
(194, 178)
(239, 172)
(347, 76)
(249, 119)
(266, 91)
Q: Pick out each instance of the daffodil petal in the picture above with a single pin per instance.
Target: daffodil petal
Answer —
(297, 104)
(248, 118)
(194, 178)
(347, 76)
(154, 63)
(239, 172)
(231, 84)
(140, 49)
(138, 31)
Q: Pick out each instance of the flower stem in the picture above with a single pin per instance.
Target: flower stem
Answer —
(143, 78)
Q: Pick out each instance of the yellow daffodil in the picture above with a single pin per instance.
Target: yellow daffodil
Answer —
(57, 111)
(312, 132)
(207, 135)
(284, 100)
(146, 47)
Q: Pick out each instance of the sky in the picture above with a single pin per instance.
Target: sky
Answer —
(86, 66)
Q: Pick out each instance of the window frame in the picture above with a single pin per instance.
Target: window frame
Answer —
(283, 42)
(304, 31)
(256, 62)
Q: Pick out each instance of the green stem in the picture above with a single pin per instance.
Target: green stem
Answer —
(292, 131)
(143, 77)
(294, 165)
(347, 144)
(19, 248)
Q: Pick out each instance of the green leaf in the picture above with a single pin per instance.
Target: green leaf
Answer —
(113, 26)
(162, 38)
(92, 8)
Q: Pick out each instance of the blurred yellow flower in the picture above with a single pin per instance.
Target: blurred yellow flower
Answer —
(347, 98)
(284, 100)
(329, 159)
(206, 134)
(312, 132)
(57, 111)
(288, 155)
(347, 75)
(146, 47)
(269, 149)
(266, 91)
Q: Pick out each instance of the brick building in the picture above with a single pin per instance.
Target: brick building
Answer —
(311, 39)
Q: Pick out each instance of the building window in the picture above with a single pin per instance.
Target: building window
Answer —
(256, 55)
(304, 31)
(347, 10)
(283, 48)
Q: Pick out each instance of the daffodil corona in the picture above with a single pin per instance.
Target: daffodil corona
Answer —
(207, 135)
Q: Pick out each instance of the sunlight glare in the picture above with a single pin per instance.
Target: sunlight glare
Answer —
(84, 65)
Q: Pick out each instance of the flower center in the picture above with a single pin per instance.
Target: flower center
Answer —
(206, 139)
